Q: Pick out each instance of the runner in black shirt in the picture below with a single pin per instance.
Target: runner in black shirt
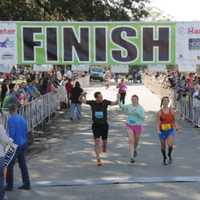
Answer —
(100, 125)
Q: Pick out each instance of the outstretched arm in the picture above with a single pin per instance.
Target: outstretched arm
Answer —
(83, 98)
(123, 107)
(114, 103)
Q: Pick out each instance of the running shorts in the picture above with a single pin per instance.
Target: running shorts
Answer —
(166, 134)
(100, 130)
(136, 129)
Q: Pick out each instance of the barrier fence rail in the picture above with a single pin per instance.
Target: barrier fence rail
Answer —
(40, 109)
(186, 105)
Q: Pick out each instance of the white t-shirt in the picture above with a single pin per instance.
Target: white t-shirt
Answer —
(59, 75)
(69, 74)
(4, 140)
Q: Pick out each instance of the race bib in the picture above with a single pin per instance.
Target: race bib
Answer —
(131, 121)
(99, 115)
(166, 127)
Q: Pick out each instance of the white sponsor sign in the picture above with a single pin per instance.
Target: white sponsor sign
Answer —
(157, 68)
(82, 68)
(188, 43)
(42, 68)
(120, 69)
(187, 68)
(8, 49)
(9, 154)
(5, 68)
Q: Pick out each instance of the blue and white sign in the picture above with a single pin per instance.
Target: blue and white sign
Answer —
(187, 45)
(8, 50)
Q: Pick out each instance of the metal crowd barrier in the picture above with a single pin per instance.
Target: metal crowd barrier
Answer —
(40, 109)
(189, 109)
(187, 106)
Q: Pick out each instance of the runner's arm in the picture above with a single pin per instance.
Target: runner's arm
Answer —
(114, 103)
(83, 98)
(123, 108)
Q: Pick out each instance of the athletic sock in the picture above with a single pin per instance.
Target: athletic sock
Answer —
(164, 156)
(170, 149)
(164, 153)
(132, 152)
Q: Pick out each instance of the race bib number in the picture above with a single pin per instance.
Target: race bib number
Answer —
(166, 127)
(131, 121)
(99, 115)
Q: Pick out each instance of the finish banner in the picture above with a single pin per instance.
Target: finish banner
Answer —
(96, 43)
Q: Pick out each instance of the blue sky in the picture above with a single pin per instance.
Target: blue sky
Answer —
(181, 10)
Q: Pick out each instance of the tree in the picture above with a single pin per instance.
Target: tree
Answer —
(18, 10)
(88, 10)
(155, 14)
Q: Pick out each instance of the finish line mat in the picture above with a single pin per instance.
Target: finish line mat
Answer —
(114, 181)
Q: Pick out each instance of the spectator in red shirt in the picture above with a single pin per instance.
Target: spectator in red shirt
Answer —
(190, 80)
(68, 88)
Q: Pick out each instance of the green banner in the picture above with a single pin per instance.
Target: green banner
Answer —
(96, 43)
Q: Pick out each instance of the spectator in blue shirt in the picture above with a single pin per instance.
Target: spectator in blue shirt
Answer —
(10, 98)
(18, 131)
(31, 90)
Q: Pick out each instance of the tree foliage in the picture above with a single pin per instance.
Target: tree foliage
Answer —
(88, 10)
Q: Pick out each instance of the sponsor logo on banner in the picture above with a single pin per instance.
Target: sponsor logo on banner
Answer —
(8, 49)
(7, 43)
(194, 31)
(187, 45)
(190, 30)
(194, 44)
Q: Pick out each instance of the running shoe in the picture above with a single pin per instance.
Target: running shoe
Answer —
(165, 161)
(132, 160)
(24, 187)
(170, 161)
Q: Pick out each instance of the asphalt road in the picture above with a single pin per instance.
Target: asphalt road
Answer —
(68, 158)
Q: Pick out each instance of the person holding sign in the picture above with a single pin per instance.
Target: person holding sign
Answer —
(166, 129)
(100, 125)
(18, 131)
(134, 124)
(4, 141)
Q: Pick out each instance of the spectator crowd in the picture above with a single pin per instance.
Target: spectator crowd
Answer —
(30, 87)
(186, 92)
